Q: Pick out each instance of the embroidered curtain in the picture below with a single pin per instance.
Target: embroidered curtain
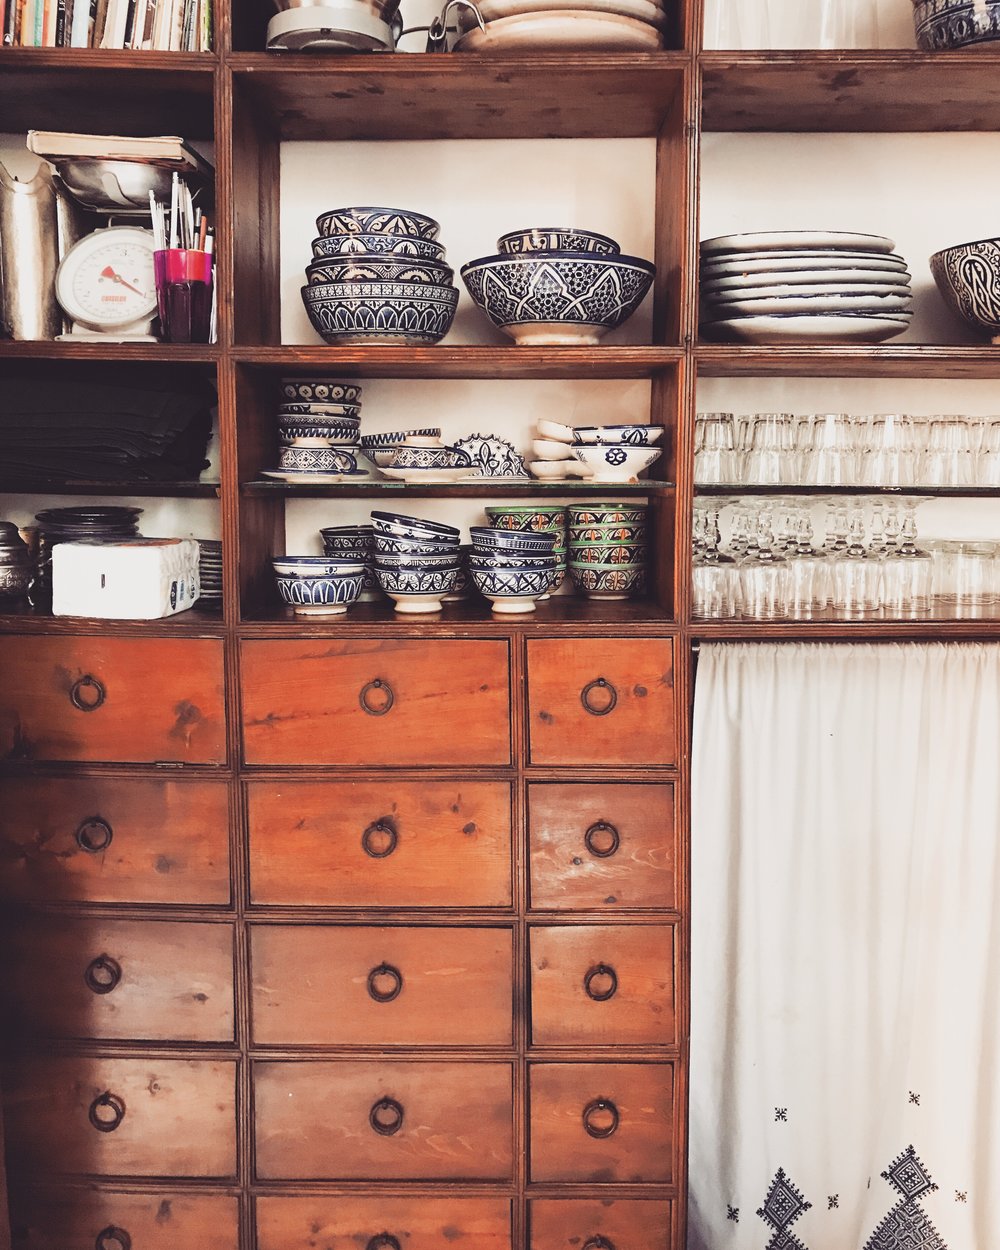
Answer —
(845, 1045)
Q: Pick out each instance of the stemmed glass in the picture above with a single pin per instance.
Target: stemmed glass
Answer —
(857, 576)
(906, 570)
(714, 583)
(764, 575)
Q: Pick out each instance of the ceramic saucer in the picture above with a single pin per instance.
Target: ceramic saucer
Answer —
(429, 476)
(768, 240)
(809, 328)
(298, 477)
(849, 303)
(783, 279)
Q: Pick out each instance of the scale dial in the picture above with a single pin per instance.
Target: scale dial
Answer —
(105, 281)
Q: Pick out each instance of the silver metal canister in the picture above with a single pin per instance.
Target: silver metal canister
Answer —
(29, 256)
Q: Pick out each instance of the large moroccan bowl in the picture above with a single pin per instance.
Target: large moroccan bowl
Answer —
(380, 312)
(556, 239)
(552, 298)
(377, 221)
(942, 25)
(329, 246)
(379, 268)
(968, 276)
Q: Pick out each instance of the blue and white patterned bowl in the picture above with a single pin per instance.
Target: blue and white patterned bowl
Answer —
(512, 590)
(376, 245)
(386, 544)
(968, 277)
(512, 541)
(317, 460)
(321, 411)
(417, 590)
(608, 581)
(380, 269)
(941, 25)
(320, 390)
(498, 560)
(380, 312)
(617, 463)
(368, 220)
(417, 560)
(294, 430)
(316, 566)
(413, 455)
(556, 239)
(320, 596)
(347, 542)
(558, 297)
(399, 525)
(630, 435)
(392, 438)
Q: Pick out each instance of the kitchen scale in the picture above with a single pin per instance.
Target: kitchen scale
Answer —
(105, 285)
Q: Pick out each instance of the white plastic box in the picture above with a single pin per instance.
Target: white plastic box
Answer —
(140, 579)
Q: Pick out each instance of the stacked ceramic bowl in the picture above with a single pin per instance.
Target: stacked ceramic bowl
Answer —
(378, 275)
(941, 25)
(617, 453)
(210, 571)
(512, 568)
(804, 286)
(318, 585)
(536, 518)
(426, 459)
(968, 277)
(353, 543)
(417, 562)
(557, 285)
(319, 427)
(607, 548)
(16, 569)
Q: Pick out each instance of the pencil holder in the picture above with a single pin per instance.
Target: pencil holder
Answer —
(183, 294)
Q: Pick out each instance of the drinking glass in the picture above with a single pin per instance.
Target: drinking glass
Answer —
(887, 458)
(856, 575)
(988, 462)
(771, 458)
(832, 455)
(974, 573)
(715, 449)
(948, 460)
(737, 24)
(848, 24)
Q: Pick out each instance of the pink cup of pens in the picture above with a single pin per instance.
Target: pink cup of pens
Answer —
(183, 294)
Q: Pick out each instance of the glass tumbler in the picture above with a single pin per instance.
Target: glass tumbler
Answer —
(771, 458)
(715, 449)
(832, 457)
(948, 460)
(988, 461)
(888, 457)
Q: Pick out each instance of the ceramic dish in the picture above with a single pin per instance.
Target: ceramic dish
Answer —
(792, 239)
(401, 525)
(616, 463)
(380, 312)
(605, 435)
(428, 477)
(320, 390)
(393, 438)
(367, 220)
(557, 470)
(611, 582)
(968, 277)
(642, 10)
(319, 596)
(550, 449)
(378, 269)
(807, 277)
(376, 245)
(811, 328)
(554, 429)
(810, 304)
(561, 31)
(513, 591)
(298, 478)
(491, 456)
(749, 262)
(556, 239)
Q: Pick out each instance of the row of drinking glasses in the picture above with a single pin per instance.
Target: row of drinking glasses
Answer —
(867, 566)
(837, 449)
(794, 24)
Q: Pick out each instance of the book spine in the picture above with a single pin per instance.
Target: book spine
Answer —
(161, 38)
(129, 23)
(100, 19)
(206, 26)
(78, 34)
(149, 25)
(138, 27)
(10, 23)
(60, 40)
(39, 32)
(176, 24)
(190, 21)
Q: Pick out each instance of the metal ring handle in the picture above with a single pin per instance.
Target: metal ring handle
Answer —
(590, 839)
(599, 683)
(112, 1238)
(601, 972)
(365, 700)
(94, 834)
(90, 703)
(106, 1102)
(386, 1117)
(597, 1242)
(595, 1108)
(371, 843)
(103, 974)
(379, 974)
(383, 1241)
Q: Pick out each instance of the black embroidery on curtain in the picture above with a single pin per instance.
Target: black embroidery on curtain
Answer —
(782, 1207)
(907, 1226)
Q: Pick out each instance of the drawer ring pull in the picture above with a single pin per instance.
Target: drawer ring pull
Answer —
(101, 1106)
(112, 1238)
(595, 1108)
(599, 683)
(596, 845)
(380, 973)
(88, 703)
(386, 1117)
(597, 1242)
(601, 972)
(94, 834)
(376, 709)
(372, 843)
(103, 974)
(383, 1241)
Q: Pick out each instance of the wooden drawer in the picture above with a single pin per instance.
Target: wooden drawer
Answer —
(340, 985)
(386, 844)
(101, 978)
(602, 846)
(108, 1219)
(629, 1106)
(103, 840)
(614, 1224)
(603, 985)
(158, 1117)
(136, 700)
(351, 1223)
(601, 701)
(437, 1121)
(376, 701)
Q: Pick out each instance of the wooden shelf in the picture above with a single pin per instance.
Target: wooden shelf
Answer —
(196, 622)
(150, 490)
(492, 487)
(823, 361)
(108, 353)
(436, 96)
(852, 90)
(441, 361)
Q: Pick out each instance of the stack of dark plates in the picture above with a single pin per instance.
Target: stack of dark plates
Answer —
(65, 432)
(210, 571)
(71, 525)
(804, 286)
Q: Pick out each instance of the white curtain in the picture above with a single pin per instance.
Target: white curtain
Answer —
(845, 1046)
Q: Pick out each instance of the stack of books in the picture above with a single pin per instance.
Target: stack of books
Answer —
(138, 25)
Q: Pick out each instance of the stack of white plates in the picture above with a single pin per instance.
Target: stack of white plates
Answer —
(564, 25)
(803, 286)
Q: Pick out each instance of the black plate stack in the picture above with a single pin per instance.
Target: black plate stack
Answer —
(100, 524)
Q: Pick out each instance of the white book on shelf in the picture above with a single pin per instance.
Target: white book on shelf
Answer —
(138, 24)
(176, 25)
(114, 28)
(79, 34)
